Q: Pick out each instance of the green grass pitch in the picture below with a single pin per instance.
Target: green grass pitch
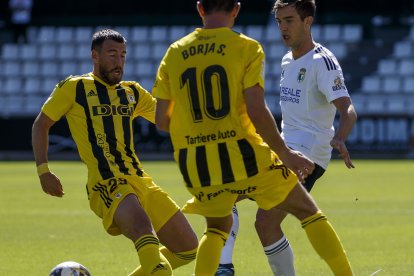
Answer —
(371, 208)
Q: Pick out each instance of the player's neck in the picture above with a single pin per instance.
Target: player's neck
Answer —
(303, 48)
(218, 20)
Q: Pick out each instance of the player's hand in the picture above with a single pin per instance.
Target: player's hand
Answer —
(298, 163)
(51, 184)
(340, 146)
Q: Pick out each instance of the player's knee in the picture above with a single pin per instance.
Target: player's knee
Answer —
(265, 225)
(300, 203)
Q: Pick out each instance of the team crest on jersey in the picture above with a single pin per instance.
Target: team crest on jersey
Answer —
(131, 97)
(301, 74)
(338, 84)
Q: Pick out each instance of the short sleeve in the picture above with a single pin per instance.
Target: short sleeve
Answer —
(146, 104)
(330, 79)
(60, 101)
(255, 69)
(161, 87)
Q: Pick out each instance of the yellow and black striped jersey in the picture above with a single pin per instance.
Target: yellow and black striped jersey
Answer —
(100, 120)
(205, 74)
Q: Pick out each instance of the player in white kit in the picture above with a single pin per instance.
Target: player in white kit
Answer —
(312, 90)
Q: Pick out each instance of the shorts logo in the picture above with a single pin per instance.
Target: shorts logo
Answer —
(283, 169)
(212, 195)
(301, 74)
(118, 195)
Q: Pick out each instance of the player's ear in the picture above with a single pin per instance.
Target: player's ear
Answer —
(236, 9)
(308, 21)
(200, 9)
(95, 56)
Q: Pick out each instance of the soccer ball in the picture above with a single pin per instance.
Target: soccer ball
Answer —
(69, 269)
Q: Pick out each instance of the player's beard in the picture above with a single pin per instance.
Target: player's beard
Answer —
(110, 76)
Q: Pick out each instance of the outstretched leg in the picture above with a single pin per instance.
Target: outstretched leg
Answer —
(319, 231)
(134, 223)
(179, 240)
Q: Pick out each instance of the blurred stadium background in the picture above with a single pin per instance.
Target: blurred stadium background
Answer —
(374, 41)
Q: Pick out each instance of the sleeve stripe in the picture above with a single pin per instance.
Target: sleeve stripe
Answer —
(330, 64)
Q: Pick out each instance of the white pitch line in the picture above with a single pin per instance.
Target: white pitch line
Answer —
(376, 272)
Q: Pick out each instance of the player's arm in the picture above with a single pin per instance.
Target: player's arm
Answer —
(266, 126)
(163, 110)
(347, 119)
(40, 140)
(146, 104)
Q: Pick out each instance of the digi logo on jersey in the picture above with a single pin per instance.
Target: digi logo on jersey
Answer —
(108, 110)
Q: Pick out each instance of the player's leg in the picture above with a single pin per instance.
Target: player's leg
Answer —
(172, 228)
(226, 267)
(179, 240)
(320, 232)
(268, 226)
(211, 244)
(134, 223)
(276, 246)
(215, 204)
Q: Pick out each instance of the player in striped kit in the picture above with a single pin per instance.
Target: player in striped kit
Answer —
(100, 108)
(312, 89)
(210, 97)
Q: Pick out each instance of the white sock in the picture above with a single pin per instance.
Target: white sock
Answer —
(227, 252)
(280, 258)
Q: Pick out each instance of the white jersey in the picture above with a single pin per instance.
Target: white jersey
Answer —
(308, 85)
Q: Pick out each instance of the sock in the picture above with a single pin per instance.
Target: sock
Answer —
(209, 250)
(280, 258)
(227, 252)
(180, 258)
(175, 259)
(326, 243)
(152, 261)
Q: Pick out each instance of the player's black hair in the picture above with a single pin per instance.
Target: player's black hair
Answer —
(304, 8)
(99, 37)
(218, 5)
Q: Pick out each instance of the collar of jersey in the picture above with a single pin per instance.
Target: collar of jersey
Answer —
(220, 29)
(101, 81)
